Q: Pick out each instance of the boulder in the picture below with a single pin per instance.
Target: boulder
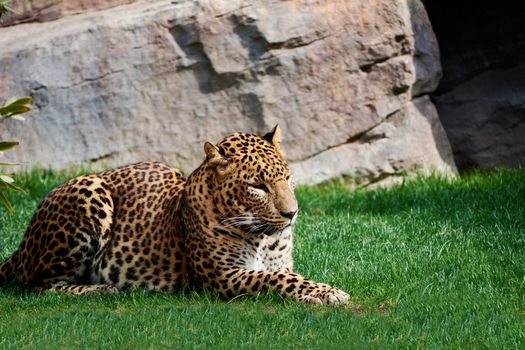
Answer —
(155, 80)
(485, 119)
(409, 141)
(49, 10)
(480, 98)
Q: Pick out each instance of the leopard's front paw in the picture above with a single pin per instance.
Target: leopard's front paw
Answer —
(329, 295)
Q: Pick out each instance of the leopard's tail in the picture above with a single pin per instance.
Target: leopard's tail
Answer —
(8, 269)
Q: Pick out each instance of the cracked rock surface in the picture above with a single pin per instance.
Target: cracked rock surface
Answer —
(153, 80)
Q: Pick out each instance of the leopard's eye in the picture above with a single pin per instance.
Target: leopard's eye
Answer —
(261, 187)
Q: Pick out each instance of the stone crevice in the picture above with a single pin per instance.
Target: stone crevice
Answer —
(85, 81)
(102, 157)
(362, 137)
(367, 67)
(187, 38)
(232, 11)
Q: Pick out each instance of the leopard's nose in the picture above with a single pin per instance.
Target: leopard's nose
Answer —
(289, 214)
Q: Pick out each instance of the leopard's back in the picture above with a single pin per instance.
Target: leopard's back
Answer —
(115, 228)
(145, 249)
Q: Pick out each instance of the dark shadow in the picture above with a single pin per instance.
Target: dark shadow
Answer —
(480, 97)
(187, 38)
(476, 35)
(253, 109)
(249, 36)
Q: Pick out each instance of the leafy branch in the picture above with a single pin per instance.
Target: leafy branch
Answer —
(11, 109)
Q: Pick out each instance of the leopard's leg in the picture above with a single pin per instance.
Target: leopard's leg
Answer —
(79, 289)
(237, 281)
(69, 230)
(7, 269)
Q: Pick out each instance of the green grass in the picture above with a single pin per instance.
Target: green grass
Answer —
(432, 263)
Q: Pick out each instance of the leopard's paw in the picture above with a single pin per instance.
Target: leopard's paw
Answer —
(310, 299)
(330, 295)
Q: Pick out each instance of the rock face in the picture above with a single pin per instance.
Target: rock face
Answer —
(385, 153)
(485, 119)
(480, 99)
(155, 80)
(48, 10)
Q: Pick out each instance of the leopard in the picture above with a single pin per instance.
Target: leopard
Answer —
(227, 227)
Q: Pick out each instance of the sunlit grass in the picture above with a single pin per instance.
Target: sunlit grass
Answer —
(433, 263)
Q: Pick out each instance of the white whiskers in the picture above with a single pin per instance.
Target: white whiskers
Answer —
(249, 224)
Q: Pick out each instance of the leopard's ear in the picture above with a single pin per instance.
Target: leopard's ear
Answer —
(274, 137)
(216, 160)
(213, 154)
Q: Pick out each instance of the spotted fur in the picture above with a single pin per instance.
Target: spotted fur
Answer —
(227, 227)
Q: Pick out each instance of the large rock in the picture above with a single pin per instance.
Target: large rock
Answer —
(49, 10)
(427, 63)
(156, 80)
(481, 97)
(408, 141)
(485, 119)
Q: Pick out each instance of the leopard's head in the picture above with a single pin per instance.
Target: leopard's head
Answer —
(253, 187)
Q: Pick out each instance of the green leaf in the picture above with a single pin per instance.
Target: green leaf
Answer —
(5, 145)
(15, 106)
(6, 203)
(11, 187)
(6, 178)
(18, 101)
(9, 164)
(13, 109)
(11, 100)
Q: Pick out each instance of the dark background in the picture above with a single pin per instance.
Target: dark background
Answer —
(476, 35)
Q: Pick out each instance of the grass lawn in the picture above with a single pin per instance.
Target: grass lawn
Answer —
(430, 264)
